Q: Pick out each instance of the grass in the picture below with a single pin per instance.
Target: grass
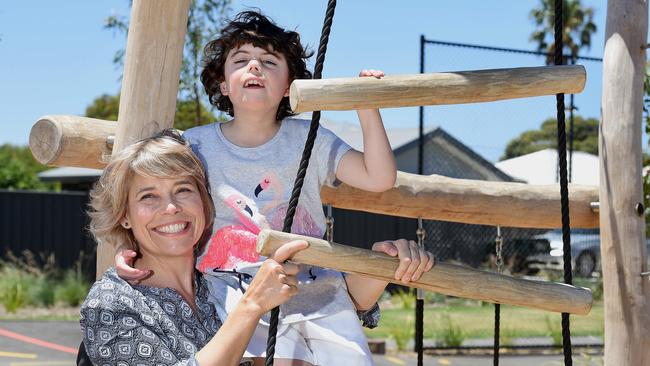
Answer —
(477, 322)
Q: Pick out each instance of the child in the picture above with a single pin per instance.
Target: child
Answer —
(251, 162)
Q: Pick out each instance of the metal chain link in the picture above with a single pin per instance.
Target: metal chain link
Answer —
(499, 249)
(421, 235)
(329, 225)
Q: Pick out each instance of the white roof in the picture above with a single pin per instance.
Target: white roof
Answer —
(68, 173)
(541, 167)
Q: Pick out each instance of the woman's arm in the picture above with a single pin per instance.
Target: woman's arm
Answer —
(273, 284)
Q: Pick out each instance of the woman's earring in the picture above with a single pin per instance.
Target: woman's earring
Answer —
(126, 225)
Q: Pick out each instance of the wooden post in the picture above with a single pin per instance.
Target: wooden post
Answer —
(434, 89)
(152, 63)
(448, 279)
(622, 234)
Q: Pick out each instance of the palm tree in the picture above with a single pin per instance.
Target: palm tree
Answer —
(578, 28)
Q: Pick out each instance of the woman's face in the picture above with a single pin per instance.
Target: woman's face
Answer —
(165, 214)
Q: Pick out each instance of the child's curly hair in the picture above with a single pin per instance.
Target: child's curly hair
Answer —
(254, 28)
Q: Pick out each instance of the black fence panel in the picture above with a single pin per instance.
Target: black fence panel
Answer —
(47, 223)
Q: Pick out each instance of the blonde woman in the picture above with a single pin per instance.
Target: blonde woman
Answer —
(153, 198)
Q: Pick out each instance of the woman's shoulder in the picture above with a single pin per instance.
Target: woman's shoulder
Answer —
(111, 293)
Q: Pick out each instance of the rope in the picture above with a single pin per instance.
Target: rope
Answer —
(302, 170)
(564, 185)
(419, 303)
(497, 307)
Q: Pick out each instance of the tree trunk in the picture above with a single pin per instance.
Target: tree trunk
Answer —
(624, 257)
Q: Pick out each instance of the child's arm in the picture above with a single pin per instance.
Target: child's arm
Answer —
(414, 261)
(375, 169)
(124, 266)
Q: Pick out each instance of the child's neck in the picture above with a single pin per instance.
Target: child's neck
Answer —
(250, 129)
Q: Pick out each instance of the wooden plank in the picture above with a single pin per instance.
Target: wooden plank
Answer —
(444, 278)
(435, 88)
(622, 234)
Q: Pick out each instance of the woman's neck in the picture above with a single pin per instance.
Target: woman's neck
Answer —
(251, 129)
(170, 272)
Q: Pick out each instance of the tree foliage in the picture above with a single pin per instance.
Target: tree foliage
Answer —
(18, 169)
(585, 138)
(205, 18)
(106, 107)
(578, 28)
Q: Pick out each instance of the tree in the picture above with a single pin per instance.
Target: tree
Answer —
(205, 18)
(578, 28)
(585, 138)
(18, 169)
(106, 107)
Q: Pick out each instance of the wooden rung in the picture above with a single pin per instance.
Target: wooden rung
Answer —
(435, 88)
(86, 142)
(448, 279)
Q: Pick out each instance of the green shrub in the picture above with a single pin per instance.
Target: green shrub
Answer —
(554, 331)
(402, 335)
(43, 292)
(14, 287)
(73, 288)
(452, 335)
(406, 298)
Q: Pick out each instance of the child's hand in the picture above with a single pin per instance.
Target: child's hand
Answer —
(376, 73)
(413, 260)
(124, 267)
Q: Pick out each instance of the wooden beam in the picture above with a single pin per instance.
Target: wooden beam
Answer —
(152, 64)
(444, 278)
(431, 197)
(71, 141)
(434, 89)
(622, 234)
(437, 197)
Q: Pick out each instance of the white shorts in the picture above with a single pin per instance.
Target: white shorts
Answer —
(336, 339)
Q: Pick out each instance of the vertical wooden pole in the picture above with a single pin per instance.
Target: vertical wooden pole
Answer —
(154, 52)
(622, 225)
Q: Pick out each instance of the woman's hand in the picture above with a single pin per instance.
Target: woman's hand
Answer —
(275, 281)
(413, 260)
(124, 266)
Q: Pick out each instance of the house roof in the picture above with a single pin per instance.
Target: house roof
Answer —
(540, 167)
(69, 174)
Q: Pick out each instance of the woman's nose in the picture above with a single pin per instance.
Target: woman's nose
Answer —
(172, 207)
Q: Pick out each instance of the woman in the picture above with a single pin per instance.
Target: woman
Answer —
(152, 197)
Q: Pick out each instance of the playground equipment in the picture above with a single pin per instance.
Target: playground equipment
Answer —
(148, 102)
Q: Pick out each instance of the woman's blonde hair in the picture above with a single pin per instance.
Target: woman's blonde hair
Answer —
(164, 155)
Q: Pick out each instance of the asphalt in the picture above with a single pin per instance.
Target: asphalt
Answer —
(53, 343)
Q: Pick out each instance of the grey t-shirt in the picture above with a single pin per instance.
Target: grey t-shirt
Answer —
(251, 188)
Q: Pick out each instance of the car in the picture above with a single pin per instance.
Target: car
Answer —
(585, 251)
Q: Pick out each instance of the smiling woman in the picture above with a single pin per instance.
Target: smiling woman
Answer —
(152, 197)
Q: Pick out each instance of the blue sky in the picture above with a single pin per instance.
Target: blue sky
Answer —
(55, 58)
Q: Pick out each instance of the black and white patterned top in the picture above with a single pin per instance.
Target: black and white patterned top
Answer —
(124, 324)
(141, 325)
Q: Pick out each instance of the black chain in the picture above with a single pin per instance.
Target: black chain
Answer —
(302, 170)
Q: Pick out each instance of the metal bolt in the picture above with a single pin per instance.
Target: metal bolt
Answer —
(639, 208)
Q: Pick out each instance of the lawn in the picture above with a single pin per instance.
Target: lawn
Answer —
(476, 320)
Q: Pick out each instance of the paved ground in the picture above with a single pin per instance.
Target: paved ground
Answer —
(53, 343)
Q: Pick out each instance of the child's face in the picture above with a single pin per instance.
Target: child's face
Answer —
(255, 78)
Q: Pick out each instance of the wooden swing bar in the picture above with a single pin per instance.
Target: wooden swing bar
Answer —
(435, 88)
(444, 278)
